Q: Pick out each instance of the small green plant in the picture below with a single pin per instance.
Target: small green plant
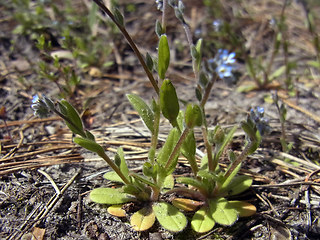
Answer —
(282, 111)
(261, 70)
(313, 31)
(285, 145)
(208, 186)
(32, 18)
(50, 25)
(212, 186)
(54, 72)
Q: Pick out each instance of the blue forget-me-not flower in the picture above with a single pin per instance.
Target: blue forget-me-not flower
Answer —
(261, 122)
(222, 64)
(217, 24)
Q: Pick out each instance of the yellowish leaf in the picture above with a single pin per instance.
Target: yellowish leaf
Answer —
(143, 219)
(185, 204)
(116, 210)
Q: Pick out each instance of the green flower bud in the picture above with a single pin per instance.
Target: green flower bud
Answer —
(193, 116)
(217, 136)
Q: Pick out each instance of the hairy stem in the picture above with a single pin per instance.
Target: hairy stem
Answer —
(164, 15)
(207, 92)
(154, 138)
(211, 165)
(113, 166)
(131, 43)
(240, 158)
(178, 146)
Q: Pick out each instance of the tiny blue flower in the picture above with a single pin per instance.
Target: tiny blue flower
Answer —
(224, 71)
(222, 64)
(217, 25)
(35, 98)
(273, 22)
(260, 111)
(261, 122)
(226, 57)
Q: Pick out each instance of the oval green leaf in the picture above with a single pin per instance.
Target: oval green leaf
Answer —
(123, 165)
(222, 212)
(202, 221)
(168, 182)
(168, 147)
(238, 185)
(143, 109)
(163, 56)
(193, 116)
(74, 117)
(109, 196)
(143, 219)
(169, 217)
(113, 177)
(88, 144)
(169, 102)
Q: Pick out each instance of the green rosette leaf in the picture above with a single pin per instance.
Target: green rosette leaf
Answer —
(222, 212)
(238, 185)
(202, 221)
(169, 216)
(109, 196)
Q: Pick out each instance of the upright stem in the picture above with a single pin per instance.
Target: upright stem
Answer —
(178, 146)
(113, 166)
(154, 138)
(273, 55)
(131, 43)
(240, 158)
(211, 166)
(207, 92)
(164, 15)
(189, 38)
